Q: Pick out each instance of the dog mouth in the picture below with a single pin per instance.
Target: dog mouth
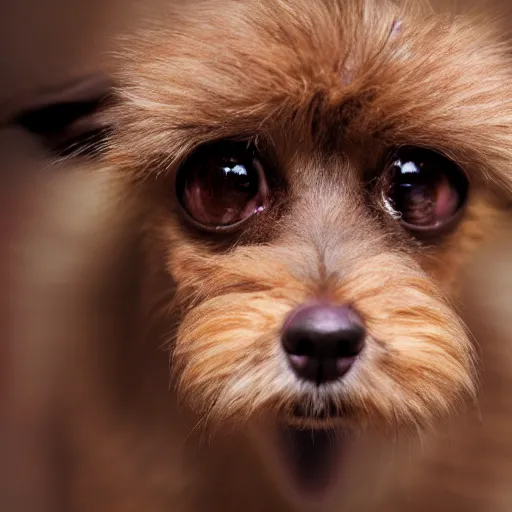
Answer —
(311, 459)
(329, 413)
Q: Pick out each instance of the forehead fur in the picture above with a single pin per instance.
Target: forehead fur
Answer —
(358, 70)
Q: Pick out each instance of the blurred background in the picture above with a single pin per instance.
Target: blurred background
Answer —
(56, 238)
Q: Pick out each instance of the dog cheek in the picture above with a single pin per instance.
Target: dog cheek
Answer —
(227, 359)
(419, 361)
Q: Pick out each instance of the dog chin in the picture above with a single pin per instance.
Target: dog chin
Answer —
(311, 460)
(307, 461)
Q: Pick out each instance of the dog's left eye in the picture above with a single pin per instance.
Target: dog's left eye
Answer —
(424, 190)
(222, 185)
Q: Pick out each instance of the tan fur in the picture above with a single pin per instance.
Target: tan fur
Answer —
(325, 87)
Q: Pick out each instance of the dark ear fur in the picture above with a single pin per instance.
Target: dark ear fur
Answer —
(68, 119)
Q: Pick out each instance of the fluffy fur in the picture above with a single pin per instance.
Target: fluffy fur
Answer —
(325, 87)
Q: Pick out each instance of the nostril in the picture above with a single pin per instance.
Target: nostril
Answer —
(341, 349)
(351, 343)
(303, 347)
(323, 341)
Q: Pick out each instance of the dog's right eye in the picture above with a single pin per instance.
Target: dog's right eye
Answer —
(425, 190)
(220, 186)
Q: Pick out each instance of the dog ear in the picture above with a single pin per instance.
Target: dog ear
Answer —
(68, 119)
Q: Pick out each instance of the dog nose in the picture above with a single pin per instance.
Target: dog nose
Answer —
(322, 342)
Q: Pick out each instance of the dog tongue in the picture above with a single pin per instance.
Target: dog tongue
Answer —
(311, 457)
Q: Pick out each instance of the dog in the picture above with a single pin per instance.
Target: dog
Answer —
(315, 181)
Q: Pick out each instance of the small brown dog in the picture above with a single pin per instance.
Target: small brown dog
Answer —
(316, 177)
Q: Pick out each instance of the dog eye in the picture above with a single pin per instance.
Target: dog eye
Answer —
(221, 186)
(424, 190)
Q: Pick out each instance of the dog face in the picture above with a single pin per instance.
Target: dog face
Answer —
(319, 174)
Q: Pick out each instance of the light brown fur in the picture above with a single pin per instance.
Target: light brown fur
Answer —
(325, 87)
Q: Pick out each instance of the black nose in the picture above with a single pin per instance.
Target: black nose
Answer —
(322, 341)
